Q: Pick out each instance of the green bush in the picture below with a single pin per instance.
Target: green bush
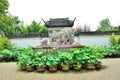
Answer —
(43, 29)
(65, 58)
(78, 56)
(113, 50)
(113, 39)
(118, 41)
(52, 60)
(5, 43)
(7, 53)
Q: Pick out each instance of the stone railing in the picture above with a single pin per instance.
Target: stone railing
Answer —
(49, 49)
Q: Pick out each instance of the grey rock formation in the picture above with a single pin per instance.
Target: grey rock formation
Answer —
(65, 36)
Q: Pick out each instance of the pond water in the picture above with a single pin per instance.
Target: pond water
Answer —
(25, 42)
(99, 40)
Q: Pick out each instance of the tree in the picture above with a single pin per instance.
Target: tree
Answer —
(43, 29)
(4, 4)
(3, 13)
(6, 21)
(33, 27)
(9, 23)
(105, 25)
(36, 27)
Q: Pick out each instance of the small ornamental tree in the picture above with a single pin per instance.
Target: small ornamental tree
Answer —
(113, 39)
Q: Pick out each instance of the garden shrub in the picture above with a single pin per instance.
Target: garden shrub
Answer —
(113, 39)
(5, 43)
(118, 41)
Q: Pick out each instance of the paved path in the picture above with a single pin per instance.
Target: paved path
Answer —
(110, 71)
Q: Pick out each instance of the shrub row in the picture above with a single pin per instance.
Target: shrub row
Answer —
(12, 53)
(87, 57)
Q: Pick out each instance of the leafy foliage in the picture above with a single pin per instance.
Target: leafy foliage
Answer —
(35, 27)
(112, 50)
(5, 43)
(78, 56)
(43, 29)
(7, 53)
(88, 54)
(4, 4)
(52, 60)
(17, 51)
(40, 61)
(118, 41)
(105, 25)
(26, 57)
(101, 52)
(65, 58)
(9, 24)
(113, 39)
